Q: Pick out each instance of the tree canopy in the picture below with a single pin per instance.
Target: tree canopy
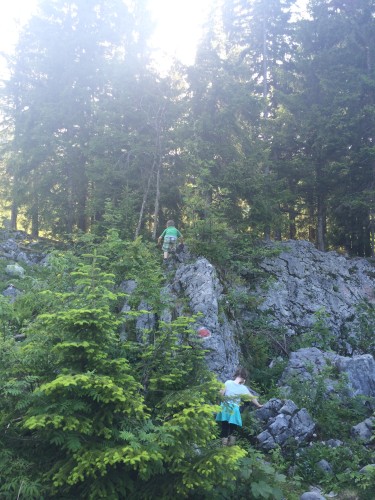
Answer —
(270, 132)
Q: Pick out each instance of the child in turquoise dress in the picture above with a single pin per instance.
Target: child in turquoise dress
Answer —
(230, 415)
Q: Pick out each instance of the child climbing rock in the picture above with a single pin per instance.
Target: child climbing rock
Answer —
(230, 416)
(171, 235)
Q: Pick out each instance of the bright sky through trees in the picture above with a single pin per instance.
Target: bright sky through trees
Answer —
(178, 27)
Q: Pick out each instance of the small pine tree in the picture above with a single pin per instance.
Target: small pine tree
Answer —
(105, 420)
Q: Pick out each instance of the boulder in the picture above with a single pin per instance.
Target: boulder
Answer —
(12, 248)
(15, 270)
(305, 364)
(312, 495)
(12, 292)
(145, 321)
(307, 281)
(281, 421)
(364, 430)
(325, 466)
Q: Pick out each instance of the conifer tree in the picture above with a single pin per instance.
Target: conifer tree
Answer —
(106, 420)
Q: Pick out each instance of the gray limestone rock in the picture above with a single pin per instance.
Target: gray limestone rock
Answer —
(307, 281)
(12, 292)
(145, 321)
(11, 248)
(364, 430)
(368, 469)
(266, 441)
(15, 270)
(302, 425)
(197, 285)
(281, 421)
(312, 495)
(334, 443)
(194, 289)
(305, 364)
(325, 466)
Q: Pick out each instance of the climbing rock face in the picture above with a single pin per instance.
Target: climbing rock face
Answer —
(194, 289)
(307, 281)
(282, 421)
(305, 364)
(197, 284)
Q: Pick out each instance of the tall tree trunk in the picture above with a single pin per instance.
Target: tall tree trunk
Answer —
(292, 214)
(321, 208)
(34, 210)
(157, 200)
(311, 228)
(35, 221)
(145, 196)
(265, 69)
(372, 201)
(267, 229)
(13, 216)
(321, 223)
(158, 130)
(82, 221)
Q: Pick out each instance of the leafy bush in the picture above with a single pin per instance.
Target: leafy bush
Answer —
(260, 344)
(345, 460)
(319, 335)
(363, 341)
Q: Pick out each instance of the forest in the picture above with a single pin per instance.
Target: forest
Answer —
(268, 136)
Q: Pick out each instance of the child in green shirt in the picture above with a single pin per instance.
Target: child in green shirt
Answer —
(171, 234)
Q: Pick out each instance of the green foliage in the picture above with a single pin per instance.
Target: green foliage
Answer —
(255, 479)
(238, 300)
(346, 461)
(262, 343)
(207, 231)
(103, 419)
(6, 316)
(363, 341)
(18, 478)
(129, 260)
(319, 335)
(334, 410)
(121, 218)
(212, 233)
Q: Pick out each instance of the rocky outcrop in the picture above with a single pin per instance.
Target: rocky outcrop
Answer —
(197, 284)
(306, 364)
(307, 281)
(12, 247)
(283, 421)
(194, 289)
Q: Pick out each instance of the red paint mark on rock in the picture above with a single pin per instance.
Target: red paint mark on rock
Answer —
(203, 332)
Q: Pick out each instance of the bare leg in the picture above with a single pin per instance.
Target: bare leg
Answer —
(165, 255)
